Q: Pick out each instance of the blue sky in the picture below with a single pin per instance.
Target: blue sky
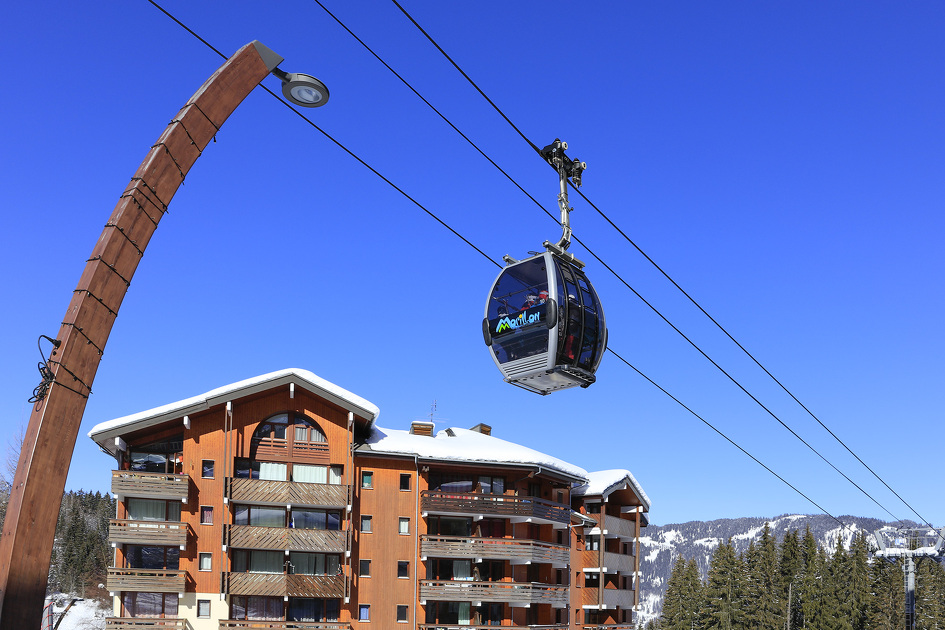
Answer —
(782, 161)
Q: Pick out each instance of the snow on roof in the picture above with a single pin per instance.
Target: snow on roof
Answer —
(603, 482)
(457, 444)
(304, 378)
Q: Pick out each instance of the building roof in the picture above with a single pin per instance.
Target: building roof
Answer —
(463, 445)
(603, 482)
(105, 431)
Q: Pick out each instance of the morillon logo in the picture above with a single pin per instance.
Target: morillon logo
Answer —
(512, 323)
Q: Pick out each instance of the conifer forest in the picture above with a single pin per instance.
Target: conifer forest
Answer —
(797, 585)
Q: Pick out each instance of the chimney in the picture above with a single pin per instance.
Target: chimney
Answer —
(485, 429)
(418, 427)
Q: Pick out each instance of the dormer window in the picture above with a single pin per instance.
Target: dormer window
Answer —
(290, 437)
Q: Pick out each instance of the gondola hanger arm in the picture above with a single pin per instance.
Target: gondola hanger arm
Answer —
(567, 168)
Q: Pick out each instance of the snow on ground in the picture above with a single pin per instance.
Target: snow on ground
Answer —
(85, 614)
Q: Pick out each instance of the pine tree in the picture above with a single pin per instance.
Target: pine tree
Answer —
(723, 590)
(682, 603)
(811, 583)
(790, 566)
(885, 606)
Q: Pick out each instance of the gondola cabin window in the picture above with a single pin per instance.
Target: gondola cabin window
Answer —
(290, 437)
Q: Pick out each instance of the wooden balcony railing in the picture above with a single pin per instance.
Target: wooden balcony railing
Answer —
(128, 483)
(227, 624)
(144, 623)
(614, 598)
(147, 532)
(473, 504)
(294, 492)
(511, 592)
(284, 538)
(147, 580)
(281, 585)
(494, 549)
(620, 527)
(611, 562)
(607, 597)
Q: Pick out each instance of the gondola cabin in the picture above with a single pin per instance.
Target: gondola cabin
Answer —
(544, 325)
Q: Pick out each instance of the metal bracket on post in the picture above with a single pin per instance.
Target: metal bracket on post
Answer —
(566, 167)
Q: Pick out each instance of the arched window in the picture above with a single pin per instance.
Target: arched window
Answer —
(289, 437)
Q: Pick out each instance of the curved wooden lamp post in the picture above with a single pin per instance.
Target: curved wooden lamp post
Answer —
(30, 526)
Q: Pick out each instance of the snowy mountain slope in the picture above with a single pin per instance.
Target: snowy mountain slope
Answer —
(660, 544)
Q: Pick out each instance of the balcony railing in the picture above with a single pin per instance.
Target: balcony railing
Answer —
(620, 527)
(611, 562)
(516, 551)
(281, 585)
(129, 483)
(144, 623)
(473, 504)
(147, 580)
(607, 598)
(294, 492)
(147, 532)
(284, 538)
(227, 624)
(454, 626)
(511, 592)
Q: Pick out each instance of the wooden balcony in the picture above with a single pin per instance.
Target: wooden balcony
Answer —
(285, 492)
(281, 585)
(606, 598)
(515, 551)
(147, 580)
(147, 532)
(128, 483)
(607, 561)
(518, 509)
(619, 527)
(144, 623)
(284, 538)
(227, 624)
(510, 592)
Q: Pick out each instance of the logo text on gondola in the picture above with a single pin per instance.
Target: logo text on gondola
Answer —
(523, 319)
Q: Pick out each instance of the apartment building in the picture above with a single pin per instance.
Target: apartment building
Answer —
(278, 502)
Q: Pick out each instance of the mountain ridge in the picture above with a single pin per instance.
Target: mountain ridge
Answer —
(698, 540)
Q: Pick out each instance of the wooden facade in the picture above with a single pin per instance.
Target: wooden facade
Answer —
(402, 541)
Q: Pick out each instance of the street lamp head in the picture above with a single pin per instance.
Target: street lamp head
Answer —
(303, 90)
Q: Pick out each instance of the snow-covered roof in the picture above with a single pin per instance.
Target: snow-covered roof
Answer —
(603, 482)
(464, 445)
(105, 431)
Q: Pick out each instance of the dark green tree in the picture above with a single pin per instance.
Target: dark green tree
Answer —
(723, 590)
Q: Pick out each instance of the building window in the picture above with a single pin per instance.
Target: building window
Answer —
(203, 608)
(404, 525)
(593, 508)
(401, 614)
(403, 569)
(255, 607)
(366, 524)
(305, 563)
(138, 604)
(405, 481)
(364, 612)
(205, 561)
(259, 515)
(305, 518)
(142, 557)
(206, 469)
(153, 510)
(206, 515)
(367, 479)
(364, 568)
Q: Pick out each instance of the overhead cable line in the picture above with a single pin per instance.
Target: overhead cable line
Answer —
(674, 283)
(465, 240)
